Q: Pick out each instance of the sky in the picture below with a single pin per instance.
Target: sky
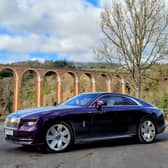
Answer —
(49, 30)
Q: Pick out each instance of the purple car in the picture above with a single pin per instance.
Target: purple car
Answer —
(84, 118)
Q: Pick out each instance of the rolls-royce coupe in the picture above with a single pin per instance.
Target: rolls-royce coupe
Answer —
(84, 118)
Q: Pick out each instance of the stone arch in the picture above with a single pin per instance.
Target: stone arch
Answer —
(50, 88)
(38, 76)
(85, 83)
(118, 84)
(29, 90)
(128, 85)
(16, 72)
(7, 89)
(108, 81)
(102, 83)
(16, 76)
(71, 89)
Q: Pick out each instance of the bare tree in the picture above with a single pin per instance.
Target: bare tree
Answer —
(136, 36)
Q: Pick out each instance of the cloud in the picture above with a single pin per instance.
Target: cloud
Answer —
(66, 27)
(35, 42)
(42, 60)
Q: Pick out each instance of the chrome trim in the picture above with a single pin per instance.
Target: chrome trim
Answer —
(25, 139)
(10, 128)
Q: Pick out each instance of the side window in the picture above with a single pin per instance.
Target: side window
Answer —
(129, 101)
(117, 100)
(108, 100)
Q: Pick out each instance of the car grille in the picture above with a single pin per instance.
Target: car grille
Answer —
(12, 122)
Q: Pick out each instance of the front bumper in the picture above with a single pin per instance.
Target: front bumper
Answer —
(161, 126)
(24, 137)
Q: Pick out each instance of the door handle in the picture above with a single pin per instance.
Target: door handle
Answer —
(101, 112)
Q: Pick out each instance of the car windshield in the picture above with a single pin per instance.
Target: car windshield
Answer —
(80, 100)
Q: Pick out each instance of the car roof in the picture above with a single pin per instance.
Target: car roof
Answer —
(102, 93)
(142, 102)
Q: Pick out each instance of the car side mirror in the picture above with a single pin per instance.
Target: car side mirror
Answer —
(100, 103)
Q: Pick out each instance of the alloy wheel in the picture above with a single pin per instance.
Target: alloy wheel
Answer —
(58, 137)
(147, 131)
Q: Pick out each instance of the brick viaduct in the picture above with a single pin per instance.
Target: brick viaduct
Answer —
(19, 71)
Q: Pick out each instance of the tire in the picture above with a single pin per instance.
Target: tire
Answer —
(58, 137)
(147, 131)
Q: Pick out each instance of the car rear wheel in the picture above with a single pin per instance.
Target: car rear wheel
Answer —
(58, 137)
(147, 131)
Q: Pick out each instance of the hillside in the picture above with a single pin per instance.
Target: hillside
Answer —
(155, 86)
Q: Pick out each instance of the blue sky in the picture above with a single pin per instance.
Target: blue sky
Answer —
(95, 3)
(49, 30)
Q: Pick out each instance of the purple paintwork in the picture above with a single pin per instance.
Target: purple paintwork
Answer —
(105, 121)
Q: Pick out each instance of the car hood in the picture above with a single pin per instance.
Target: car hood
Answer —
(39, 111)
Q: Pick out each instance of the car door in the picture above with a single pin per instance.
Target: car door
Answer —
(113, 118)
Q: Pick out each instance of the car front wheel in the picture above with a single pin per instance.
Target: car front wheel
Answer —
(147, 131)
(58, 137)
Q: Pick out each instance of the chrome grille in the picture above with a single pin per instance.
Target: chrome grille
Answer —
(12, 122)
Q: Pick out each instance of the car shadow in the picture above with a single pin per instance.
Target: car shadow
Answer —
(91, 145)
(94, 145)
(106, 143)
(76, 147)
(117, 142)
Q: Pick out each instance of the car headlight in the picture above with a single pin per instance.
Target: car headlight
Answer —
(30, 122)
(11, 122)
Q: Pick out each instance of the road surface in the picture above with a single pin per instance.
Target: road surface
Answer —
(125, 153)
